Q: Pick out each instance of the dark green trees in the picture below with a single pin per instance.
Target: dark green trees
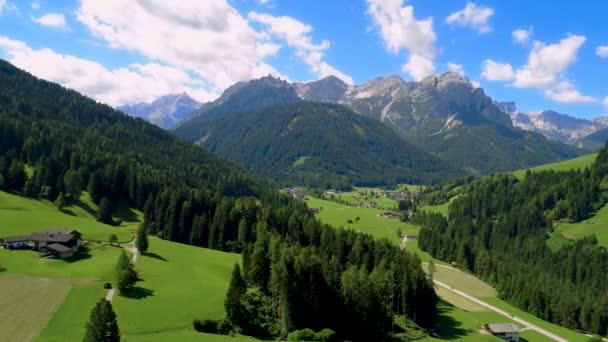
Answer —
(141, 240)
(102, 326)
(236, 291)
(500, 229)
(104, 214)
(125, 275)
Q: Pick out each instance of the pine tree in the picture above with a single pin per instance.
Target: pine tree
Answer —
(104, 214)
(236, 290)
(141, 242)
(102, 326)
(94, 188)
(60, 201)
(125, 275)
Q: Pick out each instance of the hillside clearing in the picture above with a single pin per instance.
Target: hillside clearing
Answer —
(28, 303)
(180, 283)
(597, 224)
(566, 165)
(23, 216)
(462, 281)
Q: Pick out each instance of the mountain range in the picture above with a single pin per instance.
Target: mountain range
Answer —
(165, 112)
(554, 125)
(318, 145)
(444, 115)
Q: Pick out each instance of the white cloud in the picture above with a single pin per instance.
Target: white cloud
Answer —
(135, 83)
(36, 5)
(56, 20)
(602, 51)
(522, 36)
(544, 70)
(209, 38)
(606, 102)
(473, 16)
(400, 30)
(546, 62)
(298, 36)
(496, 71)
(565, 92)
(458, 68)
(476, 84)
(6, 6)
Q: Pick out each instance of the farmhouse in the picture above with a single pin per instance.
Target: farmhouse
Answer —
(410, 238)
(60, 243)
(505, 331)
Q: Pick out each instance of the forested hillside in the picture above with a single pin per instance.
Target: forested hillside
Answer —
(71, 143)
(499, 230)
(318, 145)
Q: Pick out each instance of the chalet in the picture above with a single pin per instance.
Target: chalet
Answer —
(390, 214)
(505, 331)
(14, 242)
(410, 238)
(60, 243)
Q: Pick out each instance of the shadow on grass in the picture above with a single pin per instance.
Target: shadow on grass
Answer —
(447, 327)
(82, 254)
(84, 206)
(154, 256)
(138, 292)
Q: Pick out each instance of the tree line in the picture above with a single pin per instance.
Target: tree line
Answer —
(500, 228)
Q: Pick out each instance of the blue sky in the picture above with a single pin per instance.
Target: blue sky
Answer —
(124, 51)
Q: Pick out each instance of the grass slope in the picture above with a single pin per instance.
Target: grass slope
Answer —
(68, 322)
(27, 303)
(566, 165)
(598, 225)
(23, 216)
(180, 283)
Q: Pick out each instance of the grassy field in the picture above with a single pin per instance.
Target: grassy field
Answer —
(458, 301)
(463, 281)
(180, 283)
(439, 209)
(97, 266)
(27, 304)
(68, 323)
(187, 335)
(23, 216)
(338, 214)
(598, 225)
(566, 165)
(358, 196)
(568, 334)
(460, 325)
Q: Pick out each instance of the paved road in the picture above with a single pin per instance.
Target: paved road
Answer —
(134, 254)
(527, 325)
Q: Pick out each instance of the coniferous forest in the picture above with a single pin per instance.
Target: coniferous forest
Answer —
(313, 276)
(500, 228)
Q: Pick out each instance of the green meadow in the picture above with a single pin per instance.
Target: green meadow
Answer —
(180, 283)
(369, 222)
(597, 224)
(23, 216)
(566, 165)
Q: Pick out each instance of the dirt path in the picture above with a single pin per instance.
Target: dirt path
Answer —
(134, 254)
(527, 325)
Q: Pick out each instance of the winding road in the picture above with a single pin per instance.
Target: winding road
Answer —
(523, 322)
